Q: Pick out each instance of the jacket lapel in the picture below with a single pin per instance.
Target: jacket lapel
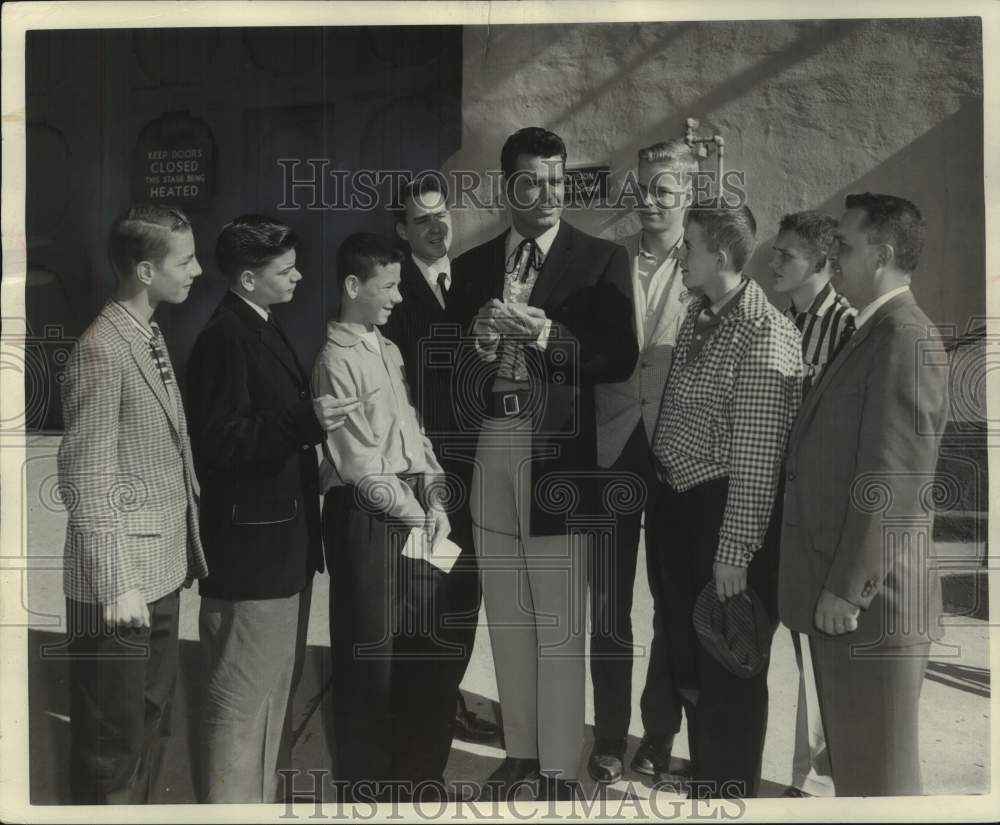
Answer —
(418, 289)
(268, 334)
(835, 366)
(555, 264)
(498, 265)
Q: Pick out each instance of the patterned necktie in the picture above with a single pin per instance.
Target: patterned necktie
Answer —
(156, 347)
(525, 260)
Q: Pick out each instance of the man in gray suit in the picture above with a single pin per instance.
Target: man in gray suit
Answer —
(857, 567)
(626, 418)
(127, 478)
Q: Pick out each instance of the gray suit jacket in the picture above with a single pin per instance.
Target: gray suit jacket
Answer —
(620, 406)
(858, 514)
(126, 473)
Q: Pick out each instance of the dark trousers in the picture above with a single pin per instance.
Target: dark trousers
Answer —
(401, 634)
(121, 684)
(612, 567)
(727, 714)
(870, 702)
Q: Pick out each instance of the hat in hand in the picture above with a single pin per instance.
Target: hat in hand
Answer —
(736, 632)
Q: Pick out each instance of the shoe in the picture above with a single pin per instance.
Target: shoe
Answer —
(505, 781)
(653, 755)
(607, 761)
(471, 728)
(551, 789)
(796, 793)
(674, 781)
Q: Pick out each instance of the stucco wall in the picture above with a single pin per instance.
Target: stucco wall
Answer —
(811, 110)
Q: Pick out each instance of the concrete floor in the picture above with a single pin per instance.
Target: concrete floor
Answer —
(955, 704)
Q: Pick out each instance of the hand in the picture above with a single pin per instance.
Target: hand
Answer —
(835, 616)
(522, 320)
(331, 412)
(128, 610)
(730, 580)
(438, 526)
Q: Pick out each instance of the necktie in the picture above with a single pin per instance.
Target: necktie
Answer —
(159, 354)
(527, 258)
(845, 336)
(442, 281)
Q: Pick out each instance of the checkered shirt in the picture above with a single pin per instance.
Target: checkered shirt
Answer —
(126, 473)
(728, 412)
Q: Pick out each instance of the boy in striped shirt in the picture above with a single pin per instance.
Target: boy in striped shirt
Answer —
(801, 269)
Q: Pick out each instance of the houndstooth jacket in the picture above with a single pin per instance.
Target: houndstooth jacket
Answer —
(728, 413)
(126, 474)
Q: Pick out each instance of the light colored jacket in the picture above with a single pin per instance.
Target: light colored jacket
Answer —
(126, 474)
(622, 405)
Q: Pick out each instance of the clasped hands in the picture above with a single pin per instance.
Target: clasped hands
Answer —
(496, 318)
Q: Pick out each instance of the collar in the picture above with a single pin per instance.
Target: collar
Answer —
(726, 303)
(544, 240)
(146, 330)
(820, 305)
(432, 270)
(865, 314)
(671, 253)
(263, 313)
(345, 336)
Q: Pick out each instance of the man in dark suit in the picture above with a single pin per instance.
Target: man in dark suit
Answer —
(857, 568)
(418, 326)
(551, 315)
(255, 427)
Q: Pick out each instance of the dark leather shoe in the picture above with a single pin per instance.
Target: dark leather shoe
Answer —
(512, 775)
(551, 789)
(472, 728)
(653, 755)
(607, 761)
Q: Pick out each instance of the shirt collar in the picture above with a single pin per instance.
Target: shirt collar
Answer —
(544, 240)
(865, 314)
(146, 330)
(432, 270)
(819, 305)
(263, 313)
(345, 336)
(726, 303)
(671, 253)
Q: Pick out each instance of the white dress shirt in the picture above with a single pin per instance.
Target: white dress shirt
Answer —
(258, 309)
(865, 315)
(431, 271)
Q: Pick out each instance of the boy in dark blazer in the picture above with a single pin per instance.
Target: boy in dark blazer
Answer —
(255, 428)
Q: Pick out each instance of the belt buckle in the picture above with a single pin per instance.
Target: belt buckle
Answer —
(511, 404)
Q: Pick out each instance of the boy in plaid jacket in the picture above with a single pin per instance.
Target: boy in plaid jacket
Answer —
(127, 478)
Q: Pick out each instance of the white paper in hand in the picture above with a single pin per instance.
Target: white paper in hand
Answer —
(442, 555)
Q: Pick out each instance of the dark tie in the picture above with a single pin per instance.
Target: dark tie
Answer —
(159, 354)
(443, 286)
(845, 336)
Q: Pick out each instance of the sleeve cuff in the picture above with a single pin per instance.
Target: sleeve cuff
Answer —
(543, 337)
(735, 553)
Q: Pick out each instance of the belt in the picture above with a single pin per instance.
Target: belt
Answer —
(508, 404)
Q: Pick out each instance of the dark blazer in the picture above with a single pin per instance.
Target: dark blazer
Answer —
(254, 436)
(586, 291)
(428, 339)
(859, 477)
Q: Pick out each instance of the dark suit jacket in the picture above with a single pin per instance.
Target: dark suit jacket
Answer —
(428, 339)
(861, 461)
(254, 435)
(585, 289)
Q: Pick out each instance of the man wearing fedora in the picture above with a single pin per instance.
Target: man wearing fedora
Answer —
(728, 405)
(857, 568)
